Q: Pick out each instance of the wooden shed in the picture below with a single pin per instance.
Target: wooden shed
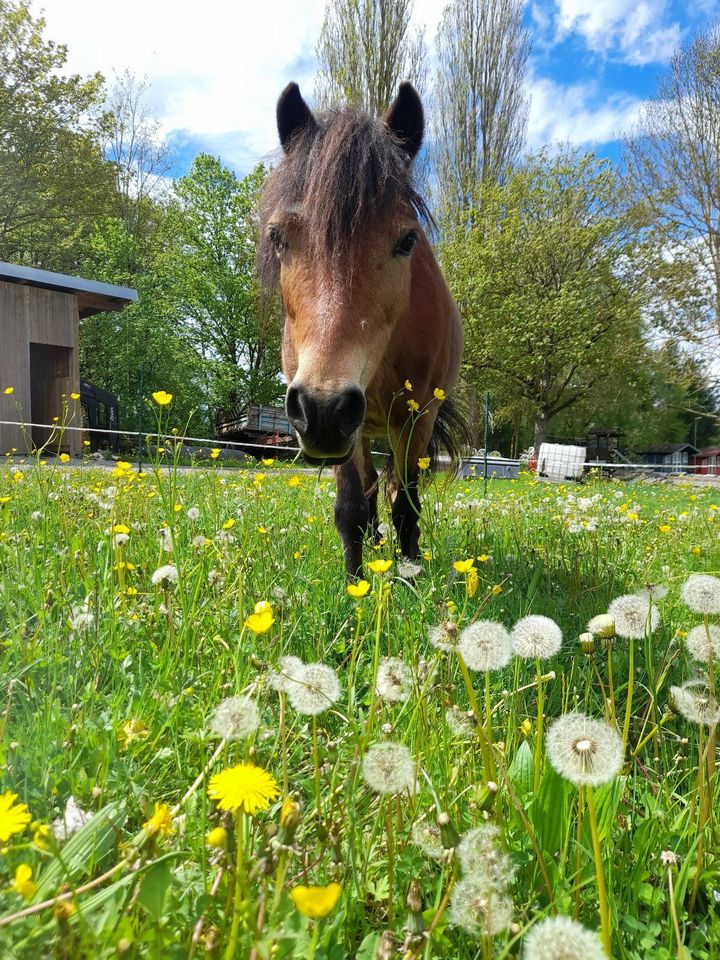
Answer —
(40, 316)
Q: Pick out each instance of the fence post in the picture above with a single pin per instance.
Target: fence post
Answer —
(486, 418)
(141, 401)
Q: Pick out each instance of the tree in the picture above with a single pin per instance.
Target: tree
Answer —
(230, 325)
(54, 183)
(481, 104)
(366, 48)
(545, 280)
(674, 156)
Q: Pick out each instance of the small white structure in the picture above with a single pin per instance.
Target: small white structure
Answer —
(558, 461)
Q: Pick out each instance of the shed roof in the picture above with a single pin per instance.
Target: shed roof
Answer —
(93, 296)
(670, 448)
(710, 452)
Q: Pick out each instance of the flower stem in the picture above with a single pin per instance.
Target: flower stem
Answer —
(316, 766)
(630, 688)
(539, 729)
(239, 888)
(599, 874)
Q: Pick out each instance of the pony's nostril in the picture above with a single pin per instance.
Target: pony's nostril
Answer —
(297, 405)
(349, 411)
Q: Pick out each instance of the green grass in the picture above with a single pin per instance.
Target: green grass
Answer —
(117, 713)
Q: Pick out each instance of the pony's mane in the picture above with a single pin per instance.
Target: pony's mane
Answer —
(345, 172)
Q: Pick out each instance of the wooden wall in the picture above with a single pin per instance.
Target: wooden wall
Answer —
(32, 315)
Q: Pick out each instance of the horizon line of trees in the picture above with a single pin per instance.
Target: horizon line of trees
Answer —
(590, 291)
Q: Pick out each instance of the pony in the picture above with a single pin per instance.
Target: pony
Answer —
(372, 338)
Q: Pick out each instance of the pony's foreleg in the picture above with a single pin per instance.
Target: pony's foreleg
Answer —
(370, 486)
(352, 512)
(406, 500)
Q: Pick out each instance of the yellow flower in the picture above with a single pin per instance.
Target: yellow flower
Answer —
(161, 398)
(215, 453)
(413, 406)
(439, 393)
(9, 391)
(14, 817)
(380, 566)
(665, 528)
(120, 528)
(131, 591)
(23, 884)
(5, 499)
(217, 838)
(526, 727)
(243, 787)
(483, 558)
(472, 582)
(41, 835)
(408, 385)
(262, 619)
(424, 463)
(229, 524)
(464, 566)
(294, 482)
(161, 821)
(132, 730)
(696, 550)
(316, 902)
(496, 590)
(74, 396)
(268, 462)
(358, 589)
(64, 457)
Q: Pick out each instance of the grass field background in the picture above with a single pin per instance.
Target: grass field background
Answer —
(111, 682)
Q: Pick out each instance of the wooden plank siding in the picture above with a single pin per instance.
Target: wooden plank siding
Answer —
(50, 319)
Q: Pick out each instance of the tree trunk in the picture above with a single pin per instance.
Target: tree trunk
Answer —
(542, 418)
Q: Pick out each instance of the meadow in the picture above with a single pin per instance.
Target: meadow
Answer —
(212, 745)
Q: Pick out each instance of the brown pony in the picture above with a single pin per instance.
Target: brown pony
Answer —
(366, 307)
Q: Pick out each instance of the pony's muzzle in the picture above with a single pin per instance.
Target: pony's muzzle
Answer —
(326, 423)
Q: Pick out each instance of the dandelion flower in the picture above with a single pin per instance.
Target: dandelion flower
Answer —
(388, 768)
(485, 645)
(289, 670)
(394, 680)
(243, 787)
(316, 902)
(478, 852)
(583, 750)
(165, 576)
(560, 938)
(695, 702)
(633, 615)
(14, 817)
(217, 837)
(444, 636)
(602, 625)
(702, 647)
(479, 909)
(701, 593)
(235, 718)
(536, 637)
(23, 883)
(161, 822)
(314, 689)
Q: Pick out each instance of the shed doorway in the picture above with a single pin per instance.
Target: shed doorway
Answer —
(50, 368)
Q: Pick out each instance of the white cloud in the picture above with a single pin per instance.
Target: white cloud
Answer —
(573, 114)
(637, 31)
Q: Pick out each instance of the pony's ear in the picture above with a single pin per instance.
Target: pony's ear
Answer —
(293, 115)
(406, 119)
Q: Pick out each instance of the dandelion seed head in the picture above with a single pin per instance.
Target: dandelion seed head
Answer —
(536, 637)
(701, 647)
(695, 702)
(602, 626)
(584, 750)
(633, 615)
(701, 592)
(561, 938)
(388, 768)
(288, 670)
(165, 576)
(479, 910)
(459, 723)
(653, 591)
(427, 836)
(485, 645)
(71, 821)
(394, 680)
(444, 636)
(408, 570)
(480, 856)
(193, 513)
(314, 689)
(235, 718)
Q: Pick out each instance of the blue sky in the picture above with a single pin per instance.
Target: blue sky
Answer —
(216, 70)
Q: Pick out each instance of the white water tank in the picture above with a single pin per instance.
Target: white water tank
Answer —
(558, 461)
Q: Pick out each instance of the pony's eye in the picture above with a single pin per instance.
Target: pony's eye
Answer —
(404, 246)
(275, 235)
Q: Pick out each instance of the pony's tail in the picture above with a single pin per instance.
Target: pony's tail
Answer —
(451, 432)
